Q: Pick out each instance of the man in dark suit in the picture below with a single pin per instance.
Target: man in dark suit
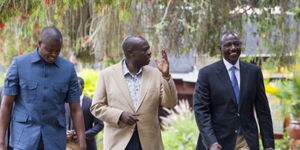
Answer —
(92, 125)
(227, 94)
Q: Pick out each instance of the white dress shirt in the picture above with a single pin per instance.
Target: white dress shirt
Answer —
(237, 71)
(81, 99)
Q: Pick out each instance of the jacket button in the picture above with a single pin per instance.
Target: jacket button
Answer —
(236, 131)
(238, 114)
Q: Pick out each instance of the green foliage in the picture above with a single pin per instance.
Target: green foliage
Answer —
(289, 92)
(289, 95)
(97, 27)
(91, 79)
(2, 78)
(99, 141)
(283, 144)
(270, 64)
(181, 135)
(280, 144)
(297, 11)
(180, 129)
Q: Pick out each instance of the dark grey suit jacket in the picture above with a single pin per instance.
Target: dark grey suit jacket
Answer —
(219, 116)
(92, 125)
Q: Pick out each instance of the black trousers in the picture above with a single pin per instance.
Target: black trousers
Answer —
(134, 143)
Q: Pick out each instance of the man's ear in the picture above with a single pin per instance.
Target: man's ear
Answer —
(130, 53)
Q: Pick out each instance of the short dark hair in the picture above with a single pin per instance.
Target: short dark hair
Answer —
(129, 42)
(227, 33)
(80, 81)
(51, 33)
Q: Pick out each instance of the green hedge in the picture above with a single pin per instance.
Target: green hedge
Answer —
(90, 77)
(180, 129)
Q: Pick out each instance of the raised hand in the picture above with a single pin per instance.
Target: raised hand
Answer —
(163, 64)
(129, 118)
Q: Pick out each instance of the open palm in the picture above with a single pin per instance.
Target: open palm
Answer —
(163, 63)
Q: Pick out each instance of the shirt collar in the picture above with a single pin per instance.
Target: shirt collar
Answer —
(126, 70)
(81, 99)
(229, 65)
(36, 58)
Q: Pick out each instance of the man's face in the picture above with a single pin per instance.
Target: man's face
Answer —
(49, 50)
(141, 53)
(231, 48)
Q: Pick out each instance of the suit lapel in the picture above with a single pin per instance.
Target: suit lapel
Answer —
(122, 85)
(224, 79)
(145, 82)
(243, 81)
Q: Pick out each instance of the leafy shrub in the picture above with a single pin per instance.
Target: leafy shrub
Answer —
(180, 129)
(99, 140)
(90, 77)
(284, 143)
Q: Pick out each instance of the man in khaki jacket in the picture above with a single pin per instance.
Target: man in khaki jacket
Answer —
(128, 97)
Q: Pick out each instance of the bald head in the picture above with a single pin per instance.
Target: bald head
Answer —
(50, 33)
(130, 42)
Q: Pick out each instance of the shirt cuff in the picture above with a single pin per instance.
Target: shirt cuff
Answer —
(75, 99)
(10, 91)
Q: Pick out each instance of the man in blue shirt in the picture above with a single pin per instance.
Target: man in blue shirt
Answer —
(39, 83)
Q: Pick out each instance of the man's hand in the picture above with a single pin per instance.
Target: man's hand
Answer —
(216, 146)
(269, 148)
(163, 64)
(5, 113)
(77, 117)
(71, 135)
(129, 118)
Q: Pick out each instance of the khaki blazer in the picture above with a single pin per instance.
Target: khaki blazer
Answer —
(112, 98)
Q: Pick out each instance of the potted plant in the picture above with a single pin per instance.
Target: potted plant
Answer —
(289, 93)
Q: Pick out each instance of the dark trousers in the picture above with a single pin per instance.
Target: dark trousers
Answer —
(134, 143)
(91, 144)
